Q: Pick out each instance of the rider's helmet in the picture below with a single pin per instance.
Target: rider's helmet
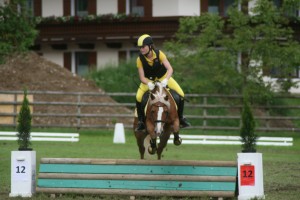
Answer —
(144, 40)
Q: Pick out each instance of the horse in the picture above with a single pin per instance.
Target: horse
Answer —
(161, 120)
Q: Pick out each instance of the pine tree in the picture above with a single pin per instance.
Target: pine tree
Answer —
(248, 136)
(24, 124)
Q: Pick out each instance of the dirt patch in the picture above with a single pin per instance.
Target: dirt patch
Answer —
(38, 74)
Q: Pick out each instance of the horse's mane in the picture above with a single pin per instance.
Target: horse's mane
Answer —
(160, 95)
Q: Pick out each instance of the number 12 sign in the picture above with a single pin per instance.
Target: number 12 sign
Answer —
(247, 174)
(20, 171)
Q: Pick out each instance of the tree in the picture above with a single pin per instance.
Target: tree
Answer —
(24, 124)
(247, 132)
(232, 53)
(17, 29)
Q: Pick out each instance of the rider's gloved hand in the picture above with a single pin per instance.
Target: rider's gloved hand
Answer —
(151, 85)
(164, 82)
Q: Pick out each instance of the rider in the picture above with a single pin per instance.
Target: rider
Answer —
(153, 65)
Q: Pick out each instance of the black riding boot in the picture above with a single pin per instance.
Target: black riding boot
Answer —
(183, 121)
(141, 117)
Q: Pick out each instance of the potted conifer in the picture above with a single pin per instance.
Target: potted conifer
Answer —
(23, 161)
(247, 132)
(24, 125)
(250, 165)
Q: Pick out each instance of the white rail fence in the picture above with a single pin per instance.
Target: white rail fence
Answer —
(42, 136)
(232, 140)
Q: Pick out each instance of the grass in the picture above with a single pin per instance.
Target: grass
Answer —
(281, 164)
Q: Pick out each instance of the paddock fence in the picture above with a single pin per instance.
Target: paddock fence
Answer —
(100, 110)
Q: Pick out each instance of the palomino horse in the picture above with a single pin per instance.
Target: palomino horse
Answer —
(161, 120)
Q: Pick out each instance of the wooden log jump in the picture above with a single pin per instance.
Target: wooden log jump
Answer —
(137, 177)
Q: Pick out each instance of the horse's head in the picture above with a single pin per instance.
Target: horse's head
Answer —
(158, 108)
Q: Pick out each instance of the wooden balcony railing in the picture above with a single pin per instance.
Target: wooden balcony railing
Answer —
(55, 32)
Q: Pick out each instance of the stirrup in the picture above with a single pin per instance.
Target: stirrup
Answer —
(140, 126)
(184, 123)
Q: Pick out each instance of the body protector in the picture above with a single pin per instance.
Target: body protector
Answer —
(153, 72)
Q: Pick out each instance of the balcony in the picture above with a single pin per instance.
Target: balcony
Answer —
(55, 31)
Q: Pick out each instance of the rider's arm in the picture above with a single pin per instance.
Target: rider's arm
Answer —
(164, 60)
(168, 67)
(142, 75)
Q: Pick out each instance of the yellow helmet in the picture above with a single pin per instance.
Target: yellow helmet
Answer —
(144, 40)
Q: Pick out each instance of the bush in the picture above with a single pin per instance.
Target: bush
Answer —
(24, 124)
(248, 136)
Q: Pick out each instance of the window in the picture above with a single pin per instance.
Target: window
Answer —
(292, 11)
(136, 7)
(29, 6)
(213, 6)
(81, 7)
(276, 73)
(82, 63)
(128, 55)
(26, 7)
(219, 7)
(134, 54)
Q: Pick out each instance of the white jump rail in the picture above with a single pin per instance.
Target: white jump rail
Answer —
(232, 140)
(42, 136)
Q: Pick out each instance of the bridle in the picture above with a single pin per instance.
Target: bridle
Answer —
(160, 105)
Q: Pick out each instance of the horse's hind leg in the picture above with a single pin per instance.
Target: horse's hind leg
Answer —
(140, 142)
(141, 149)
(177, 140)
(152, 148)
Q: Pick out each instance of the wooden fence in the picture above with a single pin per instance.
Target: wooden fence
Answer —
(99, 110)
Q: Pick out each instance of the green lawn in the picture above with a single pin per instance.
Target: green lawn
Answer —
(281, 164)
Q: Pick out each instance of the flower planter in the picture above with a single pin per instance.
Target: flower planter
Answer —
(23, 173)
(250, 176)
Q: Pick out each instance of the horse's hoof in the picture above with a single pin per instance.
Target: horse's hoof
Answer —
(177, 141)
(151, 150)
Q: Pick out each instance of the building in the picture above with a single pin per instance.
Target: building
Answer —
(84, 34)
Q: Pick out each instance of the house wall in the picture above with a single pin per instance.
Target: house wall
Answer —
(52, 8)
(106, 57)
(107, 7)
(162, 8)
(55, 57)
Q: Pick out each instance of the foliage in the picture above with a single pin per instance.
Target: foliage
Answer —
(122, 78)
(248, 137)
(230, 55)
(17, 30)
(24, 124)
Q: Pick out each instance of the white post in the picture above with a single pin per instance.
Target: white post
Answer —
(250, 176)
(23, 173)
(119, 134)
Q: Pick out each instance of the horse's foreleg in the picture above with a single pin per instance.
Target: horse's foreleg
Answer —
(162, 144)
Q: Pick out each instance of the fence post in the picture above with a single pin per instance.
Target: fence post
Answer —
(267, 114)
(78, 111)
(204, 111)
(15, 110)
